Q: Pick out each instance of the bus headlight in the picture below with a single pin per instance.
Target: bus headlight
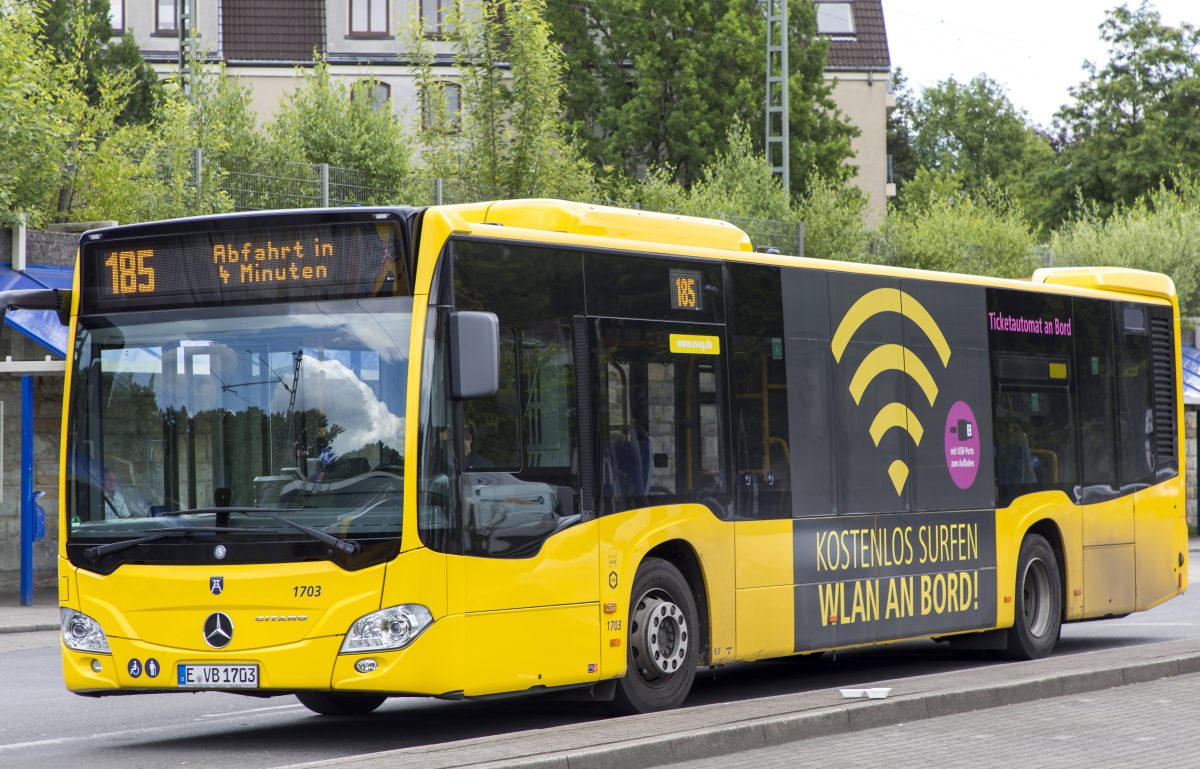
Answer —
(82, 633)
(392, 628)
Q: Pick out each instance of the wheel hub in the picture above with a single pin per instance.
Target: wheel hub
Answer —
(660, 637)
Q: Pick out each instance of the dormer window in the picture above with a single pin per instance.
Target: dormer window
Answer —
(835, 18)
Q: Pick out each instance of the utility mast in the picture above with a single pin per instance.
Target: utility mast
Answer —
(185, 25)
(777, 92)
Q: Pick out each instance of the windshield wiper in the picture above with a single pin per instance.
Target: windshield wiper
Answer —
(347, 546)
(99, 551)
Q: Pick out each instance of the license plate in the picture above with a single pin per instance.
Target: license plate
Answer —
(218, 676)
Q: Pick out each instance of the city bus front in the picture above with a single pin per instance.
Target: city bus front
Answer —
(234, 458)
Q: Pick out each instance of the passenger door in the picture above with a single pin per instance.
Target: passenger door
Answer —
(660, 415)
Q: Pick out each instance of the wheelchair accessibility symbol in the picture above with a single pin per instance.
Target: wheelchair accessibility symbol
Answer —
(135, 668)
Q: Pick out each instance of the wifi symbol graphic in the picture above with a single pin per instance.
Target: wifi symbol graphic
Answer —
(891, 357)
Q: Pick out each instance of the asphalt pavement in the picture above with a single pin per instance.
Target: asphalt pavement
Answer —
(760, 730)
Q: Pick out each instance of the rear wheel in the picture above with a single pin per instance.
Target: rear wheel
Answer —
(663, 641)
(1038, 602)
(340, 704)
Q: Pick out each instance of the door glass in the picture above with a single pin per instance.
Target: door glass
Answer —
(660, 420)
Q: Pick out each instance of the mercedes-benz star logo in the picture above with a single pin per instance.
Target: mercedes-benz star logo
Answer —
(218, 630)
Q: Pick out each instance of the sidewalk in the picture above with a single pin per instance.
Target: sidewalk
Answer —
(1128, 726)
(722, 734)
(42, 615)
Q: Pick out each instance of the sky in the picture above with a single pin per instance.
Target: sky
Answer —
(1035, 48)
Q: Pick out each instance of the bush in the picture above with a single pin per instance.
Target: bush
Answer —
(1159, 232)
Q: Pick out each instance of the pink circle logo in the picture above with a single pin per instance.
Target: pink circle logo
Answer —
(962, 445)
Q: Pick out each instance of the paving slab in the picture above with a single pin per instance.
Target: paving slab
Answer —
(709, 731)
(42, 615)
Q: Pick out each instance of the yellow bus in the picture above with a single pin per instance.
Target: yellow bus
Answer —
(533, 445)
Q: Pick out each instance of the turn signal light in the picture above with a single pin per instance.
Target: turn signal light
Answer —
(610, 607)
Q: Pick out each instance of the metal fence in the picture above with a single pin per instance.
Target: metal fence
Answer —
(257, 184)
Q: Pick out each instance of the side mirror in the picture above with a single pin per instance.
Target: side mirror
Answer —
(474, 355)
(37, 299)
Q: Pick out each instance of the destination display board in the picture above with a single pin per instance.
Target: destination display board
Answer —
(258, 264)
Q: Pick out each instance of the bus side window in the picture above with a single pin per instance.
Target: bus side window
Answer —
(759, 401)
(1095, 385)
(520, 471)
(659, 417)
(1135, 389)
(1034, 366)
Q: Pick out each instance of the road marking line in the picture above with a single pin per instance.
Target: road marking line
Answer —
(252, 710)
(131, 732)
(1152, 624)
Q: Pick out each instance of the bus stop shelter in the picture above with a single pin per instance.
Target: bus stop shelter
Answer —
(44, 328)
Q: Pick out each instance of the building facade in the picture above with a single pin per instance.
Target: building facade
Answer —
(261, 42)
(859, 68)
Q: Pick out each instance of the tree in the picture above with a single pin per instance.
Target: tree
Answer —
(326, 121)
(507, 140)
(974, 132)
(820, 136)
(1132, 123)
(1159, 232)
(900, 133)
(659, 84)
(33, 128)
(147, 171)
(950, 230)
(832, 213)
(79, 33)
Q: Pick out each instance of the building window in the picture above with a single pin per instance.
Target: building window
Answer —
(116, 14)
(368, 17)
(166, 16)
(835, 18)
(440, 110)
(437, 17)
(379, 93)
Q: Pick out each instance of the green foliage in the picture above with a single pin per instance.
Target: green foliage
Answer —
(1133, 123)
(508, 139)
(1159, 232)
(79, 33)
(326, 121)
(35, 127)
(832, 213)
(146, 172)
(820, 135)
(981, 233)
(737, 186)
(737, 182)
(900, 133)
(972, 134)
(654, 84)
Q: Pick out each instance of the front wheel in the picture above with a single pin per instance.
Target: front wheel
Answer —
(340, 704)
(1038, 602)
(663, 643)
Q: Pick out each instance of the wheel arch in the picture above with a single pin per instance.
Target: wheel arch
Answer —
(680, 554)
(1048, 530)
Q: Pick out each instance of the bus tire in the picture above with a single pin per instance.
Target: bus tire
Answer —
(338, 704)
(662, 646)
(1038, 600)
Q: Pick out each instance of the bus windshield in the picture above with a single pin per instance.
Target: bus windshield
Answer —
(179, 418)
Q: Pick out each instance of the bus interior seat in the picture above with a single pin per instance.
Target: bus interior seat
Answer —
(627, 464)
